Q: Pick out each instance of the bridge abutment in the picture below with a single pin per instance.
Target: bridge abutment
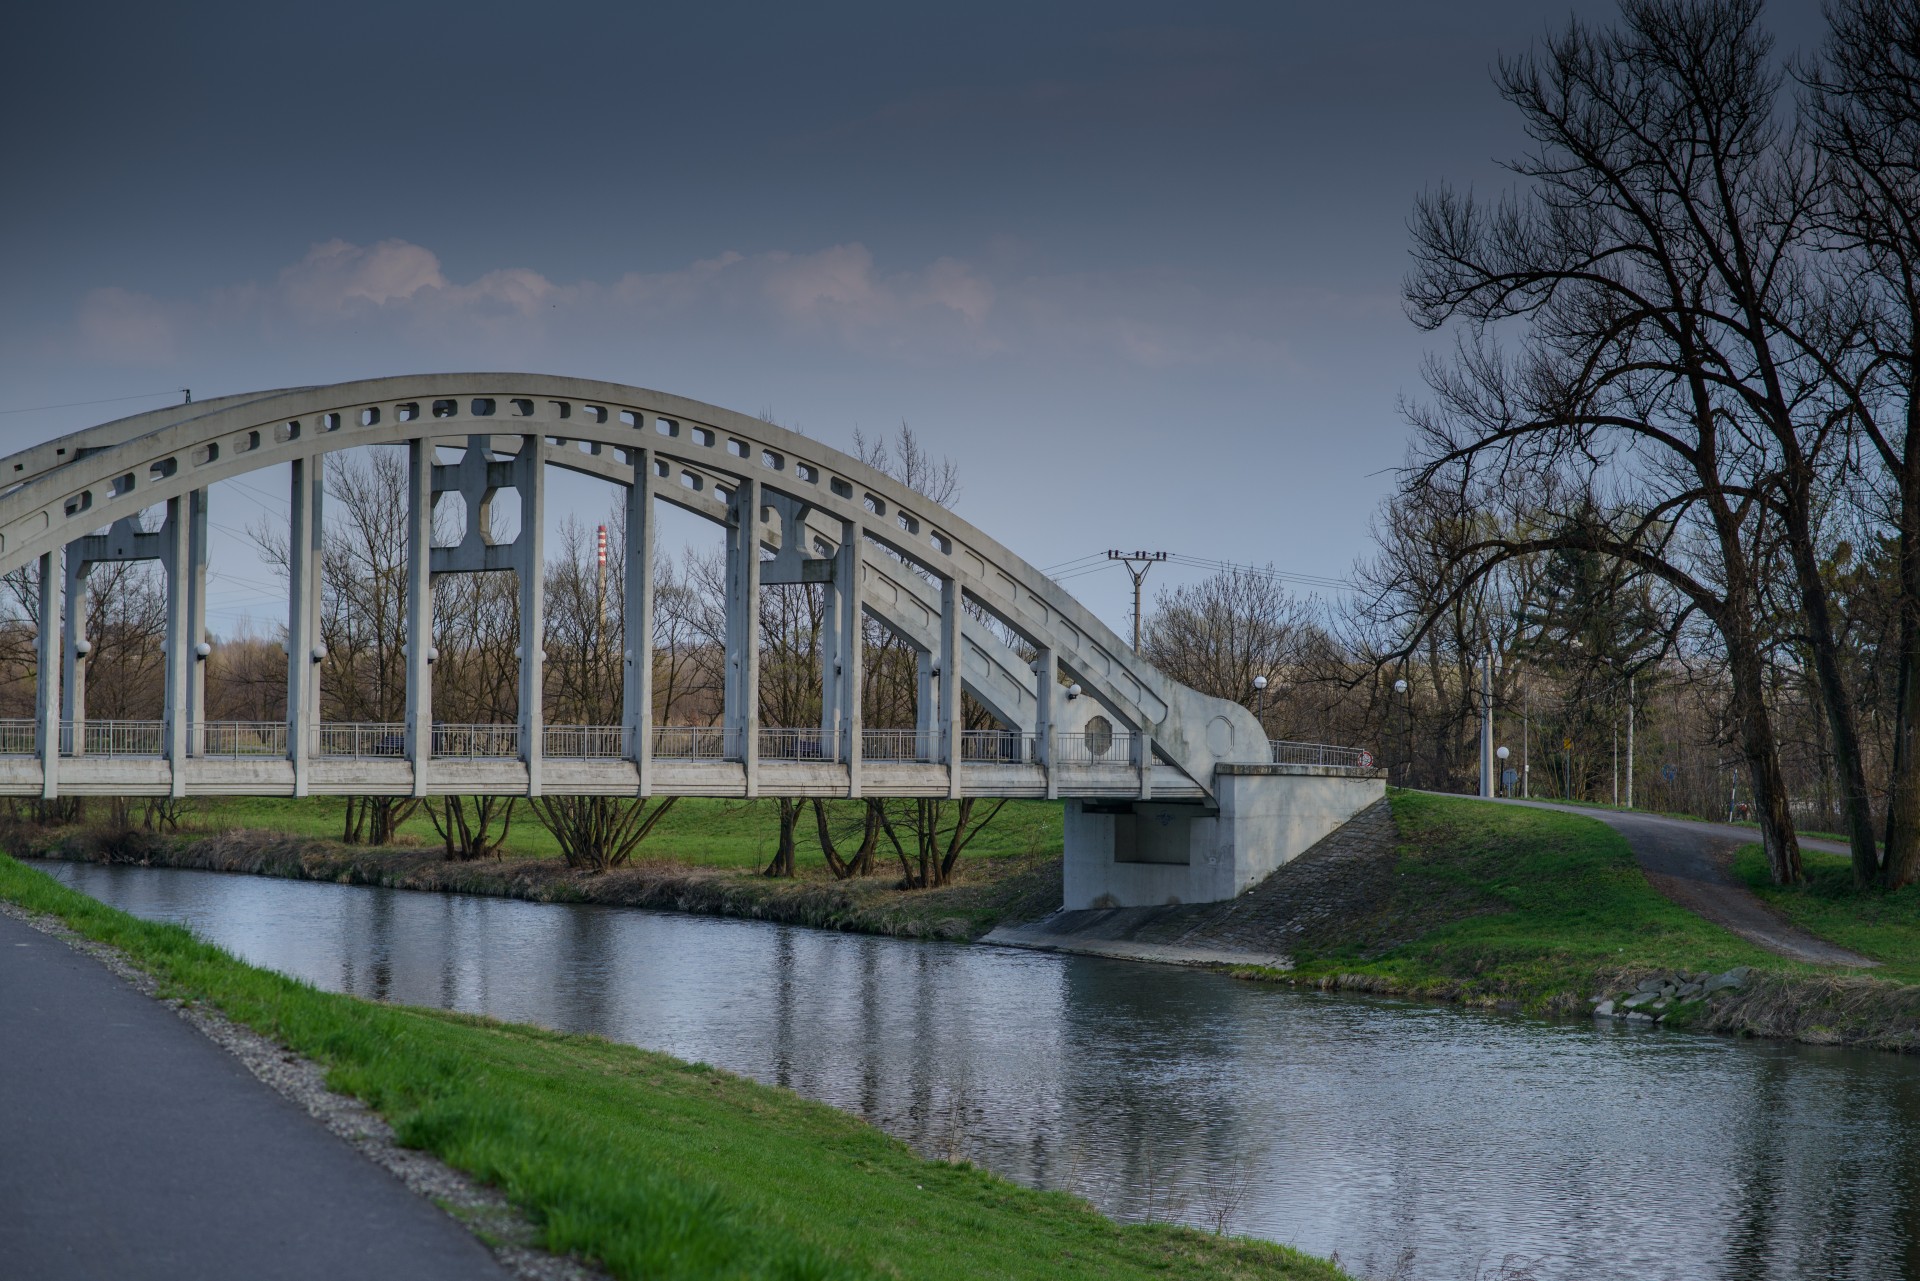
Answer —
(1149, 853)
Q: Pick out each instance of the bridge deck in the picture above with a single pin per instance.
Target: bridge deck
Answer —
(214, 776)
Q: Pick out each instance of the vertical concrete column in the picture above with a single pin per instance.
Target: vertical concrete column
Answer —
(74, 647)
(637, 694)
(950, 686)
(196, 621)
(179, 655)
(1143, 758)
(46, 679)
(847, 570)
(926, 709)
(830, 664)
(742, 713)
(1046, 671)
(530, 552)
(303, 619)
(419, 730)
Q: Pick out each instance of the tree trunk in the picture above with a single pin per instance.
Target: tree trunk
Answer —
(1856, 807)
(1762, 753)
(1902, 866)
(782, 864)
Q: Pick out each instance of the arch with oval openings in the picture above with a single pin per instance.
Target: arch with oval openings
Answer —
(793, 511)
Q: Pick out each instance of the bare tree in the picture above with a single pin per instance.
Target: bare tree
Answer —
(1646, 270)
(1864, 104)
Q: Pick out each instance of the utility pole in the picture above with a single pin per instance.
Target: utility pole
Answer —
(1526, 740)
(601, 589)
(1630, 742)
(1144, 561)
(1486, 727)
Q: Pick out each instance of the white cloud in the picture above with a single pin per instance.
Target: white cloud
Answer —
(336, 276)
(397, 295)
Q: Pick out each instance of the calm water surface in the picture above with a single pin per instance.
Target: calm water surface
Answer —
(1363, 1127)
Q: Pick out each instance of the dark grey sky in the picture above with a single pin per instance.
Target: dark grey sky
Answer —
(1134, 266)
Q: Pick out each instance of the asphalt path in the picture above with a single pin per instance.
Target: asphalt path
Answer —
(132, 1148)
(1688, 862)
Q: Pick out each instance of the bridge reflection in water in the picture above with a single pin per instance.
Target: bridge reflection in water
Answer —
(1329, 1124)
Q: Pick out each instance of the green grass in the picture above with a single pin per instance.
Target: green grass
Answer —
(702, 831)
(1875, 923)
(655, 1167)
(1529, 904)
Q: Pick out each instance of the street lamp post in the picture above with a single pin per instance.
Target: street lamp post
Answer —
(1501, 752)
(1406, 732)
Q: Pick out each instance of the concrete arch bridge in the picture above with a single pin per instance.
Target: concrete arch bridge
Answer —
(1170, 794)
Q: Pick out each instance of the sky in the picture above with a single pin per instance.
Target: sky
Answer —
(1135, 268)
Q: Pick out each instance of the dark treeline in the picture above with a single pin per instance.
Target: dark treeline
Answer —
(1668, 465)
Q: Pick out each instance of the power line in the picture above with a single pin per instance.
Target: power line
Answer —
(1080, 566)
(1144, 562)
(110, 400)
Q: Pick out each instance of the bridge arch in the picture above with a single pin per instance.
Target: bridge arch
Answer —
(796, 510)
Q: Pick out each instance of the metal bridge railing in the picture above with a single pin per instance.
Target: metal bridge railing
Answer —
(895, 745)
(115, 738)
(363, 739)
(1322, 754)
(584, 742)
(17, 738)
(997, 747)
(794, 745)
(693, 743)
(476, 742)
(1096, 745)
(237, 739)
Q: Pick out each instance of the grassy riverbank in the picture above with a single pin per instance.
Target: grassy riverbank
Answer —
(1872, 922)
(698, 831)
(1542, 910)
(654, 1167)
(704, 857)
(1528, 905)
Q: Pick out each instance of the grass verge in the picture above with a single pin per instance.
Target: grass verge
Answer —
(984, 893)
(654, 1167)
(698, 831)
(1531, 906)
(1875, 923)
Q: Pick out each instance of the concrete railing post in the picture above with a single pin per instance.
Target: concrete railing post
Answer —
(46, 679)
(73, 663)
(179, 651)
(419, 682)
(847, 570)
(303, 618)
(1046, 670)
(831, 664)
(951, 720)
(196, 620)
(742, 696)
(637, 700)
(531, 561)
(926, 708)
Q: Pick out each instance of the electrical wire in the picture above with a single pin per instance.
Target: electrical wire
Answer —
(1094, 562)
(109, 400)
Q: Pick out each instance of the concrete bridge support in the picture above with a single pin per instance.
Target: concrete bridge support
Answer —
(1150, 853)
(304, 541)
(637, 673)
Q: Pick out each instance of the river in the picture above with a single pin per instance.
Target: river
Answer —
(1371, 1128)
